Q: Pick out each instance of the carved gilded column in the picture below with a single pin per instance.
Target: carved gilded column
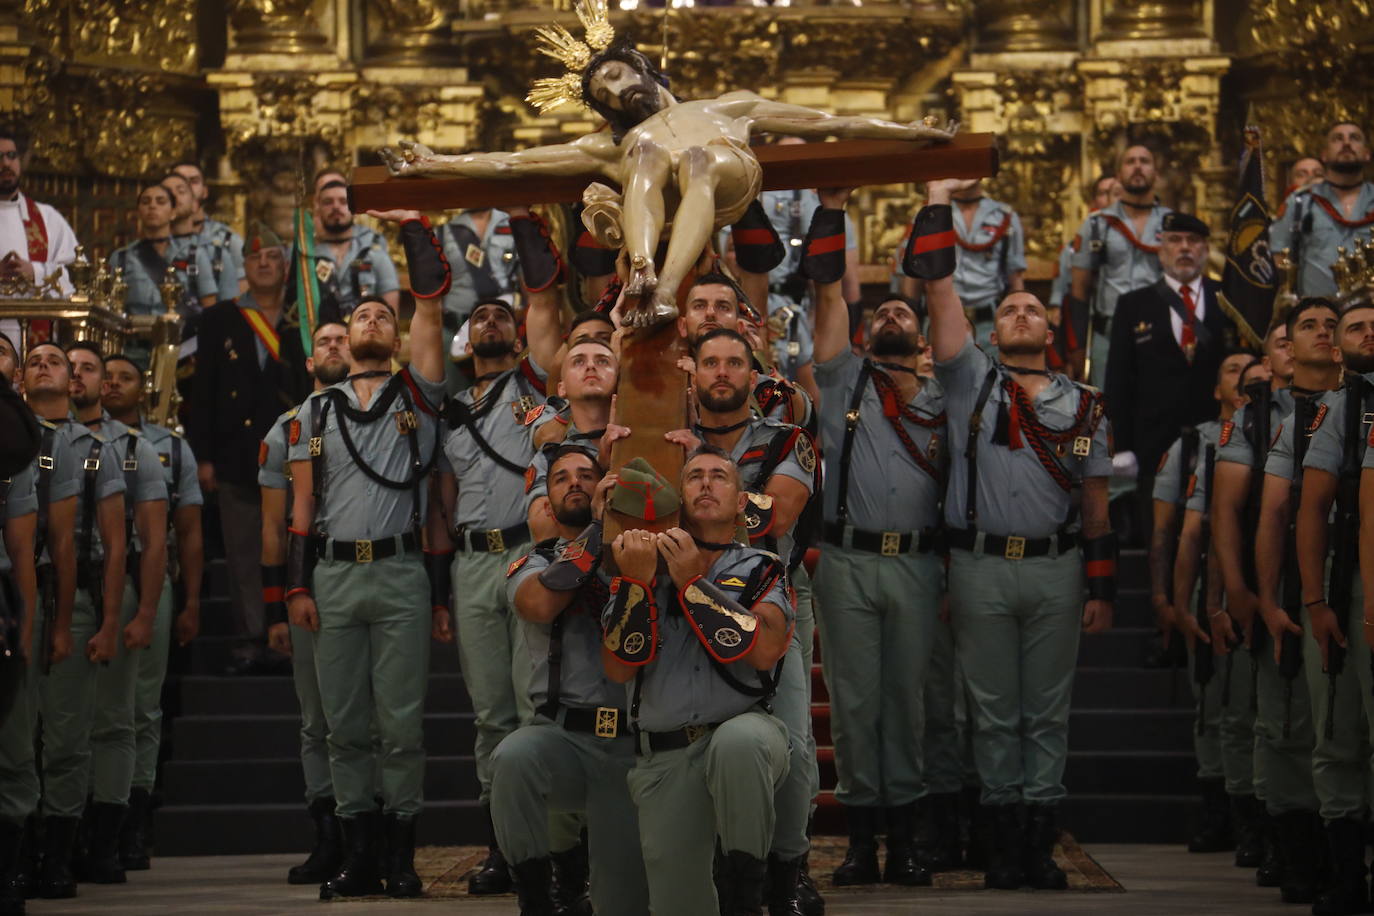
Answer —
(275, 27)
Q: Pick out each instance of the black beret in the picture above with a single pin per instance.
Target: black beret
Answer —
(1174, 221)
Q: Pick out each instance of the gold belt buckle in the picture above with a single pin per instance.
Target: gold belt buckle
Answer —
(362, 551)
(892, 543)
(495, 542)
(696, 732)
(1016, 548)
(607, 721)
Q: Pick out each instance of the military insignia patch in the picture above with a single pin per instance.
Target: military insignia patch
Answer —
(262, 455)
(1318, 419)
(474, 255)
(515, 567)
(406, 421)
(295, 431)
(933, 448)
(324, 269)
(529, 478)
(573, 550)
(732, 582)
(1082, 446)
(1226, 429)
(805, 453)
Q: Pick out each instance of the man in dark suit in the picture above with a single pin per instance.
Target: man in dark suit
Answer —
(1168, 340)
(250, 367)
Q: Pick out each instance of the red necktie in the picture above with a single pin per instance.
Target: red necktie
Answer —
(1188, 340)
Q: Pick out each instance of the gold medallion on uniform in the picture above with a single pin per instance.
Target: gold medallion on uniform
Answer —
(324, 269)
(474, 256)
(1082, 445)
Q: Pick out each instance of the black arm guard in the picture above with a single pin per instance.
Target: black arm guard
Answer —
(274, 593)
(576, 560)
(430, 275)
(929, 253)
(440, 573)
(758, 515)
(1099, 566)
(541, 266)
(630, 624)
(299, 562)
(606, 304)
(726, 628)
(823, 251)
(588, 255)
(757, 246)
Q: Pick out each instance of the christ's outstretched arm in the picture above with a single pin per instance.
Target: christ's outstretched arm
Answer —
(589, 155)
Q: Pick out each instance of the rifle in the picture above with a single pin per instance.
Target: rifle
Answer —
(1345, 534)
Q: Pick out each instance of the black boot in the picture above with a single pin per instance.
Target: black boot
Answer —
(938, 833)
(357, 874)
(102, 856)
(973, 826)
(401, 880)
(24, 878)
(1344, 890)
(809, 899)
(1215, 833)
(902, 865)
(1004, 847)
(55, 880)
(1246, 811)
(784, 879)
(1270, 871)
(532, 880)
(133, 841)
(325, 857)
(493, 877)
(860, 865)
(1042, 832)
(570, 871)
(1300, 843)
(739, 883)
(11, 851)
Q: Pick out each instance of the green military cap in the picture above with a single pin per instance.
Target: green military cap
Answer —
(642, 492)
(260, 236)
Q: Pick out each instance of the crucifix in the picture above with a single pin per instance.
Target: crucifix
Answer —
(663, 165)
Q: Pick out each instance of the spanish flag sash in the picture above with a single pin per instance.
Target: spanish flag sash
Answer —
(266, 333)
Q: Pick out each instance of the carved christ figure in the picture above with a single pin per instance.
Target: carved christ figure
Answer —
(688, 161)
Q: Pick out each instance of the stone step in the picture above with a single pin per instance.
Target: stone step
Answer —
(207, 738)
(258, 781)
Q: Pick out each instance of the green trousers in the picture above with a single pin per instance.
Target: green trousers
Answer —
(1224, 725)
(876, 616)
(947, 758)
(314, 731)
(152, 671)
(1016, 630)
(113, 748)
(721, 788)
(541, 770)
(18, 769)
(491, 651)
(1283, 735)
(792, 704)
(372, 659)
(1342, 709)
(66, 700)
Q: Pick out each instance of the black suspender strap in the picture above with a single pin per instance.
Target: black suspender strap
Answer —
(461, 415)
(319, 414)
(130, 468)
(975, 426)
(551, 701)
(88, 500)
(851, 426)
(46, 462)
(174, 493)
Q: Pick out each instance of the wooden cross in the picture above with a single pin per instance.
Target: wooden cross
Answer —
(652, 393)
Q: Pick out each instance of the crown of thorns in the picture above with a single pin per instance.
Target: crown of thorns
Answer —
(557, 42)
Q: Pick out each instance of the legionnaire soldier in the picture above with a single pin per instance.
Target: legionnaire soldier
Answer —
(1333, 598)
(1245, 500)
(579, 416)
(190, 235)
(22, 658)
(1179, 561)
(482, 246)
(878, 581)
(351, 261)
(574, 755)
(123, 389)
(66, 697)
(328, 364)
(488, 448)
(114, 747)
(224, 244)
(990, 260)
(1115, 251)
(1019, 559)
(1337, 212)
(360, 454)
(697, 645)
(145, 262)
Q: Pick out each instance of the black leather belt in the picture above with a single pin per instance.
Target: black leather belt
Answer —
(1011, 546)
(601, 721)
(492, 540)
(674, 740)
(887, 543)
(368, 550)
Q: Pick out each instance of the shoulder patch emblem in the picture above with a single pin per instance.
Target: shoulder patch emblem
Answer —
(515, 567)
(529, 478)
(532, 415)
(732, 582)
(805, 452)
(1226, 429)
(1318, 419)
(295, 431)
(573, 550)
(262, 454)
